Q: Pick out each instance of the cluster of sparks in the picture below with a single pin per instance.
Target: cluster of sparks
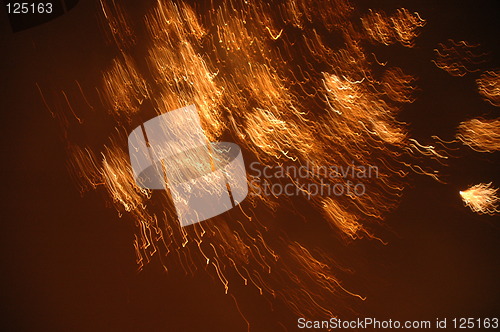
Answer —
(269, 78)
(489, 87)
(481, 135)
(458, 58)
(482, 198)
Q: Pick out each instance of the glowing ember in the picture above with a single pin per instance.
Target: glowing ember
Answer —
(481, 198)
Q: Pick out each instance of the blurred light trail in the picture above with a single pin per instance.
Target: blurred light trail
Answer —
(489, 87)
(480, 134)
(482, 198)
(293, 84)
(458, 58)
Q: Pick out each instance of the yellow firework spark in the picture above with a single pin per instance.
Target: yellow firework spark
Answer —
(481, 198)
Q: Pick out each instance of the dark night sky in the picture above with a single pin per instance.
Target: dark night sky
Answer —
(68, 261)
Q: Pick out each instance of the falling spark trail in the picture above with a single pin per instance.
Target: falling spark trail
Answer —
(489, 87)
(482, 198)
(458, 58)
(480, 134)
(287, 98)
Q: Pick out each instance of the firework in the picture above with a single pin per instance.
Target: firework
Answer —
(481, 198)
(480, 134)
